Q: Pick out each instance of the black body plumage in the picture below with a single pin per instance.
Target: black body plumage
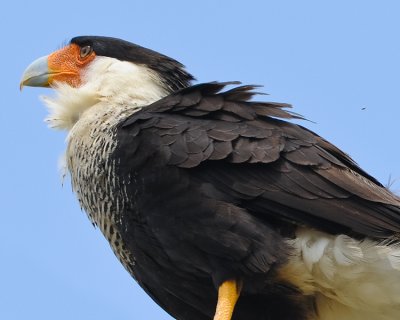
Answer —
(217, 183)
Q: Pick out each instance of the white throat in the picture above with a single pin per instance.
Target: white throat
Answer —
(108, 80)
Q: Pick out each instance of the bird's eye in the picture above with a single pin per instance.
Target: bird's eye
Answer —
(85, 51)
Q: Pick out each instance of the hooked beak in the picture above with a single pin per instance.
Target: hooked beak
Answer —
(36, 74)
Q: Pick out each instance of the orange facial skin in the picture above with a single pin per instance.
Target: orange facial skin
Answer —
(67, 63)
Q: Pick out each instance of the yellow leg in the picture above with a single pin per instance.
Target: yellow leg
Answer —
(228, 294)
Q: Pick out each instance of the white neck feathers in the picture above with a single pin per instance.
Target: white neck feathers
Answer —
(108, 80)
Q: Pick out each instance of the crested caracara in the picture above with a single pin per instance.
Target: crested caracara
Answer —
(219, 206)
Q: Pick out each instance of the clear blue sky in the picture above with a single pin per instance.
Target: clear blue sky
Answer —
(330, 59)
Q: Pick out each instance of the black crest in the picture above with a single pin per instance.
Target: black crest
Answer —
(171, 72)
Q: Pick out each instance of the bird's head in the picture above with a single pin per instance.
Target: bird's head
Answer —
(90, 69)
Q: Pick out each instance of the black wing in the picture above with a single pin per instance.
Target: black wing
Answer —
(269, 166)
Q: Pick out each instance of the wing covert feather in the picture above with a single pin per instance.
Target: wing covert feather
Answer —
(270, 166)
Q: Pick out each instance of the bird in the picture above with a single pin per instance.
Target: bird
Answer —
(219, 205)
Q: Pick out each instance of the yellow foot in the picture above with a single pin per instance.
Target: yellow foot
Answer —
(228, 294)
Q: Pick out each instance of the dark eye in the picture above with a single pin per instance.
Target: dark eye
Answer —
(85, 51)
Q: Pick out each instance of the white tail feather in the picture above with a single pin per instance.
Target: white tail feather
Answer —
(351, 279)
